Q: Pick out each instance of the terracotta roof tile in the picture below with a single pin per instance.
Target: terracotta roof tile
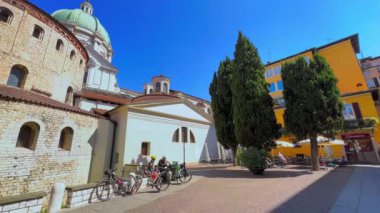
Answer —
(100, 111)
(17, 94)
(156, 97)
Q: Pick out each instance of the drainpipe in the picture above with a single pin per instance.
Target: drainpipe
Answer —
(115, 125)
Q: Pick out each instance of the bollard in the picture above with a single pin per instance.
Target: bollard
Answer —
(56, 196)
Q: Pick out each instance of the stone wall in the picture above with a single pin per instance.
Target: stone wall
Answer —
(23, 170)
(49, 70)
(81, 195)
(31, 203)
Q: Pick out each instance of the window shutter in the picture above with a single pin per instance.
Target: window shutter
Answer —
(358, 113)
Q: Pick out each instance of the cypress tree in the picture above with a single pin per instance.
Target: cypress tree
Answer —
(253, 115)
(221, 103)
(312, 101)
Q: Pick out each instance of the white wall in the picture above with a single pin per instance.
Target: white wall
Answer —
(179, 110)
(159, 132)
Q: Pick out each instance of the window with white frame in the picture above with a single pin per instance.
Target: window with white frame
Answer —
(272, 87)
(280, 85)
(273, 72)
(307, 59)
(276, 86)
(371, 83)
(279, 101)
(348, 112)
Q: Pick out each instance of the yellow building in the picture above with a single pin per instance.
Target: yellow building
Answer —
(358, 101)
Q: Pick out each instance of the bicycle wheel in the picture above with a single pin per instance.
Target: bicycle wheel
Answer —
(165, 181)
(269, 162)
(104, 191)
(131, 183)
(158, 184)
(137, 184)
(185, 175)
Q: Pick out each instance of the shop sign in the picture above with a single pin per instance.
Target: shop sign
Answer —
(355, 136)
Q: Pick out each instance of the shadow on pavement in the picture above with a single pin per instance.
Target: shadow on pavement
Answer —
(244, 173)
(149, 191)
(321, 195)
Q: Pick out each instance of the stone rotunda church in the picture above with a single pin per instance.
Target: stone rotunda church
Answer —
(63, 116)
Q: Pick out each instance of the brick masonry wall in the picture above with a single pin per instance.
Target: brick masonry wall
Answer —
(49, 70)
(81, 198)
(23, 170)
(30, 206)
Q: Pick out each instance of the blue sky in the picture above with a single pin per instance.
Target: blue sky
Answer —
(186, 39)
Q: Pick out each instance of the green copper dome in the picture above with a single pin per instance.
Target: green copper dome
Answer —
(79, 18)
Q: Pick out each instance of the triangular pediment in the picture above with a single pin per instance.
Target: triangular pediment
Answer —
(179, 109)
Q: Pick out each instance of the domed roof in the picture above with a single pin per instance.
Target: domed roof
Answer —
(79, 18)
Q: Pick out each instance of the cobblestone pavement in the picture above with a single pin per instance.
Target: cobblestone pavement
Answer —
(292, 189)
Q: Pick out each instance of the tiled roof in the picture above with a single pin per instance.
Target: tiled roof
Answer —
(103, 97)
(131, 92)
(101, 112)
(17, 94)
(190, 96)
(155, 97)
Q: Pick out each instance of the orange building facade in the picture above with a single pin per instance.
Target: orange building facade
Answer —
(355, 94)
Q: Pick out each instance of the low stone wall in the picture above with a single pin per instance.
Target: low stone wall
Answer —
(81, 195)
(85, 194)
(30, 202)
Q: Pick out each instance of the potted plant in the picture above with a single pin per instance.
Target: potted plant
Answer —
(254, 160)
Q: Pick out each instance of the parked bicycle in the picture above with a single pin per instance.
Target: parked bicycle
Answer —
(112, 184)
(165, 174)
(183, 174)
(154, 179)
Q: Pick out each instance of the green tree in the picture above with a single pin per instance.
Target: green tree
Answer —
(253, 115)
(221, 103)
(312, 101)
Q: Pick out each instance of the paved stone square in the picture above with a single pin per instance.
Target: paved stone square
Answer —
(235, 189)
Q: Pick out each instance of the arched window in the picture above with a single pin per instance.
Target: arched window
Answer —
(66, 138)
(69, 95)
(38, 32)
(59, 46)
(184, 134)
(80, 63)
(17, 76)
(176, 136)
(6, 15)
(166, 88)
(192, 137)
(150, 91)
(158, 87)
(28, 135)
(72, 54)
